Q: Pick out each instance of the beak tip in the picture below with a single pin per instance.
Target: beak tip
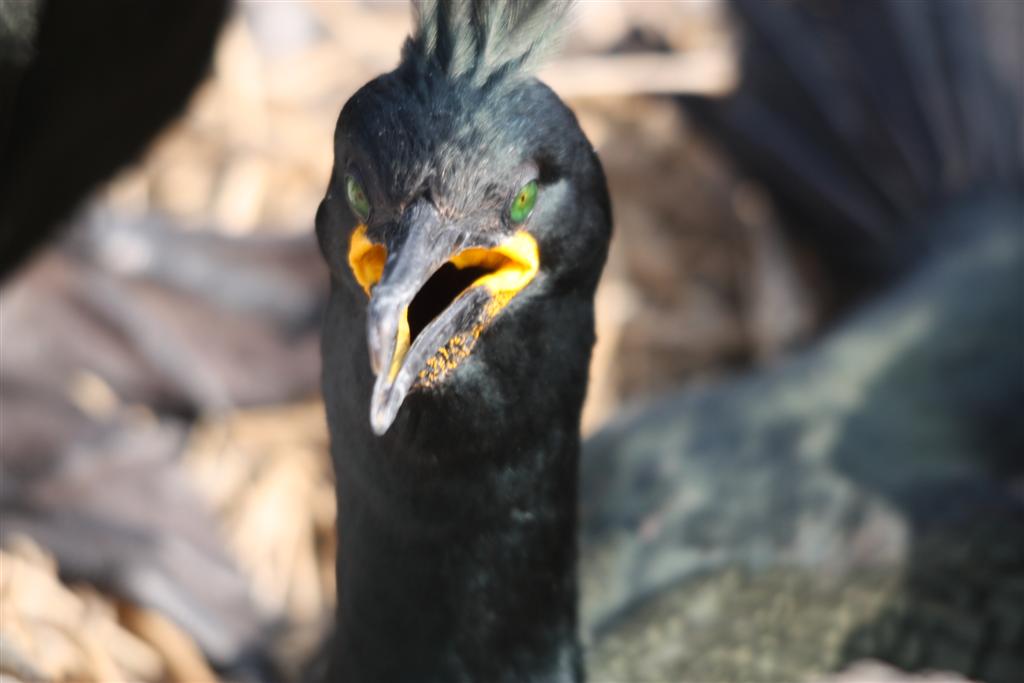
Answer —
(380, 421)
(383, 408)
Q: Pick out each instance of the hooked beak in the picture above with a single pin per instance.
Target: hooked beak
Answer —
(432, 290)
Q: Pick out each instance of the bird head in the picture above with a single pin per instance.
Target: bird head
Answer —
(464, 200)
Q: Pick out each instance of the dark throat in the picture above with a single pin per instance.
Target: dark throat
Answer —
(460, 567)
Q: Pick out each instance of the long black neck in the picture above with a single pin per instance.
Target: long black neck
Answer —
(457, 528)
(488, 594)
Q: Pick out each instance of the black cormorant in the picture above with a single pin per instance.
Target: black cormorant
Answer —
(862, 498)
(465, 227)
(83, 87)
(466, 224)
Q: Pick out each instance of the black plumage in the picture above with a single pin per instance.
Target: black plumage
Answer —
(83, 87)
(457, 505)
(861, 499)
(457, 521)
(864, 119)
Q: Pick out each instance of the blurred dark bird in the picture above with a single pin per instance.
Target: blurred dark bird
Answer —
(83, 87)
(864, 119)
(465, 227)
(864, 498)
(181, 323)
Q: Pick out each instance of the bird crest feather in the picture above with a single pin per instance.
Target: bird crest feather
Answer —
(485, 40)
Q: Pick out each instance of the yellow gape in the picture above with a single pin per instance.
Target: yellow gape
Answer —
(512, 264)
(508, 268)
(366, 259)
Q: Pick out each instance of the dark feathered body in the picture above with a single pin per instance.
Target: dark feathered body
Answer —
(83, 87)
(859, 501)
(864, 119)
(862, 499)
(457, 535)
(457, 525)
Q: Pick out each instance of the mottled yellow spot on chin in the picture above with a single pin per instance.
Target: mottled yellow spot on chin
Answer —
(366, 259)
(511, 266)
(449, 356)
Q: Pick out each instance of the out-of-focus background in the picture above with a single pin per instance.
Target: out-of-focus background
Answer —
(171, 334)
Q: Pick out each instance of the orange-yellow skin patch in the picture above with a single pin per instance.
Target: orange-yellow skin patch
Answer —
(366, 259)
(514, 263)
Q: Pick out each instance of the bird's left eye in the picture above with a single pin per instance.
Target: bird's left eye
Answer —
(522, 203)
(357, 200)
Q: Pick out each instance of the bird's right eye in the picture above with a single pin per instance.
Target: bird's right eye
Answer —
(357, 200)
(522, 204)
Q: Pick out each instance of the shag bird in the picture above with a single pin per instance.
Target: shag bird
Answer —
(83, 88)
(770, 519)
(465, 227)
(863, 498)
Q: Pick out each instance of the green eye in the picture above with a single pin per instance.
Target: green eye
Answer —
(523, 202)
(357, 198)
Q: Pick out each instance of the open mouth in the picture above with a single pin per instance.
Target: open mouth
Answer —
(427, 314)
(503, 270)
(440, 292)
